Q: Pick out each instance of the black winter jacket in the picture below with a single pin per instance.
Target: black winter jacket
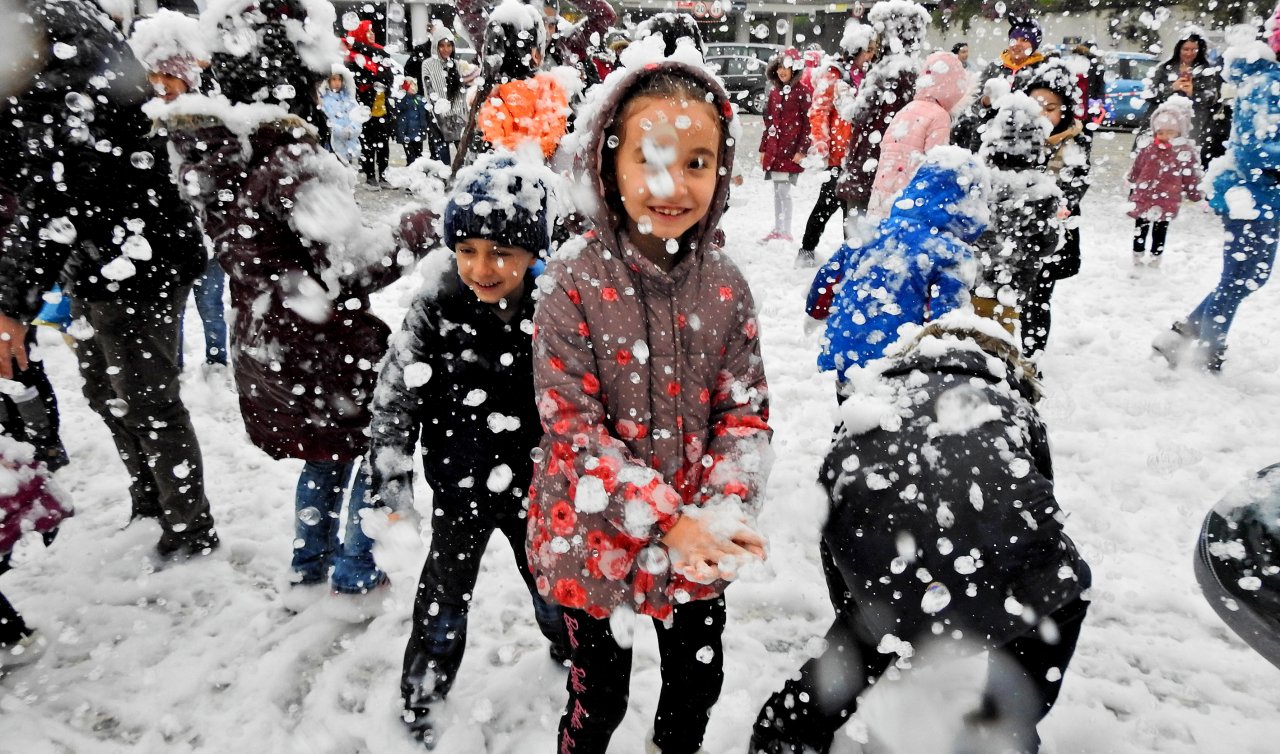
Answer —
(88, 177)
(475, 411)
(950, 516)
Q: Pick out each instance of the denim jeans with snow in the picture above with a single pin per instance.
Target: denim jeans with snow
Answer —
(1247, 259)
(317, 507)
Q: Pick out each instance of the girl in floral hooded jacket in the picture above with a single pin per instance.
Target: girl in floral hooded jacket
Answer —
(652, 394)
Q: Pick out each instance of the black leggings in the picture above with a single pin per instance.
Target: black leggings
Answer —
(1035, 315)
(825, 207)
(1159, 229)
(600, 678)
(460, 531)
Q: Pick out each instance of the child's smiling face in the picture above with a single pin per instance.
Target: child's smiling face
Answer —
(684, 134)
(492, 272)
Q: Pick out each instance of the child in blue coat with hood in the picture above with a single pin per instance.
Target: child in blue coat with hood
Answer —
(919, 266)
(1245, 190)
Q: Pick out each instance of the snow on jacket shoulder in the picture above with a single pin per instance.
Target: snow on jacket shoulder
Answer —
(919, 265)
(981, 479)
(888, 87)
(1022, 234)
(1245, 182)
(1161, 175)
(282, 216)
(828, 132)
(652, 394)
(534, 109)
(461, 379)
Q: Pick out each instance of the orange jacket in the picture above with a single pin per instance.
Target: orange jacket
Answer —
(532, 109)
(828, 132)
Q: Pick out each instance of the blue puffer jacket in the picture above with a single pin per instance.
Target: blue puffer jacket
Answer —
(412, 118)
(919, 265)
(1252, 160)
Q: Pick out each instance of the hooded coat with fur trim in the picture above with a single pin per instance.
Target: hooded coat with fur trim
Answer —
(651, 390)
(923, 124)
(959, 464)
(305, 345)
(786, 132)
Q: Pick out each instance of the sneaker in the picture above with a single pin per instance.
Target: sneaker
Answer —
(773, 236)
(184, 546)
(1154, 263)
(1137, 258)
(215, 373)
(806, 258)
(786, 237)
(24, 651)
(1173, 344)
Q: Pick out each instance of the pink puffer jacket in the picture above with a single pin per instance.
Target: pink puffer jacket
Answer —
(920, 126)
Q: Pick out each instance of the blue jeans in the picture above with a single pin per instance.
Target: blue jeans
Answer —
(317, 507)
(208, 294)
(1247, 259)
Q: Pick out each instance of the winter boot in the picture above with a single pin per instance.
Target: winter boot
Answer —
(1173, 344)
(806, 258)
(651, 748)
(1155, 262)
(1213, 358)
(23, 651)
(420, 725)
(184, 546)
(1137, 259)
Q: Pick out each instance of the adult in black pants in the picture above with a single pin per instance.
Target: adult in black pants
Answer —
(923, 499)
(371, 65)
(80, 212)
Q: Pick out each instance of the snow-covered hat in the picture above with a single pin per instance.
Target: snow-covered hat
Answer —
(270, 50)
(857, 37)
(1016, 137)
(672, 27)
(171, 43)
(791, 58)
(1056, 76)
(513, 32)
(1173, 114)
(499, 199)
(900, 23)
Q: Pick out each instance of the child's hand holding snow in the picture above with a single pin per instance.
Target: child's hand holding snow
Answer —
(396, 543)
(714, 541)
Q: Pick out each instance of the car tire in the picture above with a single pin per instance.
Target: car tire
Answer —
(757, 101)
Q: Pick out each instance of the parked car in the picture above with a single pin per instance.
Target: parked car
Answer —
(744, 79)
(757, 50)
(1125, 72)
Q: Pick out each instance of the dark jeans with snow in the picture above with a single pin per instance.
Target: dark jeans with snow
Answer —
(1247, 259)
(12, 627)
(460, 531)
(412, 150)
(207, 291)
(130, 370)
(1035, 315)
(825, 207)
(692, 665)
(317, 518)
(1158, 230)
(811, 708)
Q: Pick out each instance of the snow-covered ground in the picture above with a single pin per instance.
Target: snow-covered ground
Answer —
(204, 656)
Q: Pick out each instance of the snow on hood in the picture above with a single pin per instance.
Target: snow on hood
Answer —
(348, 79)
(942, 80)
(901, 23)
(857, 37)
(585, 147)
(949, 192)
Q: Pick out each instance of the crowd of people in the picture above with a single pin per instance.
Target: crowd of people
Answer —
(581, 368)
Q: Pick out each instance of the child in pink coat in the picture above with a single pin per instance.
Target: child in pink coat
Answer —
(1163, 172)
(920, 126)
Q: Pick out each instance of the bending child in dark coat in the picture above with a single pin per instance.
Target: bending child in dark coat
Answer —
(943, 528)
(459, 381)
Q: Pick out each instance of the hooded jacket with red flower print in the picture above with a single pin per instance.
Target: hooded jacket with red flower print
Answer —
(651, 390)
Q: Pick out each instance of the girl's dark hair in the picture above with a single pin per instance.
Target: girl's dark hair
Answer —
(452, 79)
(1202, 51)
(508, 50)
(957, 47)
(272, 68)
